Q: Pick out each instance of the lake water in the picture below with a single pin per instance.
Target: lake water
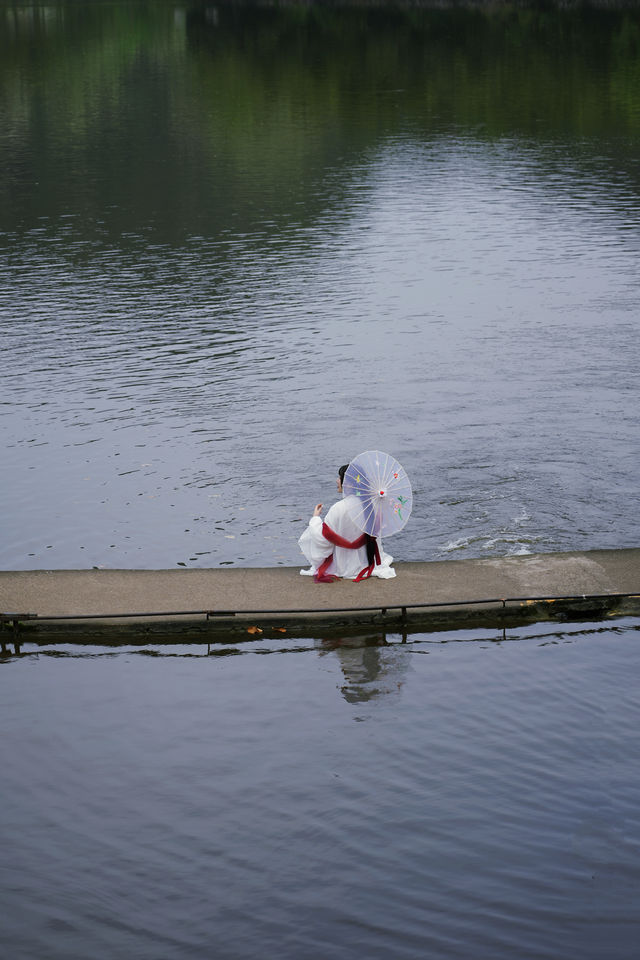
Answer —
(241, 244)
(458, 795)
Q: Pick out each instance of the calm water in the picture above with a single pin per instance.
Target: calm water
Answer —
(455, 796)
(239, 245)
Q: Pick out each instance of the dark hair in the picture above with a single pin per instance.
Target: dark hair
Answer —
(342, 470)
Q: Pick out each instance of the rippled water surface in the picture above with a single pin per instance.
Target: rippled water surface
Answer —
(239, 245)
(456, 795)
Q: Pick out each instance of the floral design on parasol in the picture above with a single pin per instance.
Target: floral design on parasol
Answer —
(379, 493)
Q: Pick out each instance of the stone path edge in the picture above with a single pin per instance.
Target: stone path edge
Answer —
(195, 604)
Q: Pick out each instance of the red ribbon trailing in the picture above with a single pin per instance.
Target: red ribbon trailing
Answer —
(373, 554)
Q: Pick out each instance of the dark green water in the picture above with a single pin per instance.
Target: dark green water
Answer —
(194, 119)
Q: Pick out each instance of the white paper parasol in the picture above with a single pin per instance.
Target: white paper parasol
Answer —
(379, 493)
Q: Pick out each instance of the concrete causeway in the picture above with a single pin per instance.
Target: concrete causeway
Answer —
(82, 605)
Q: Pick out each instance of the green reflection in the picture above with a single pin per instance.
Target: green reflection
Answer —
(196, 119)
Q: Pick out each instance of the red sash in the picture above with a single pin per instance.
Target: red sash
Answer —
(373, 554)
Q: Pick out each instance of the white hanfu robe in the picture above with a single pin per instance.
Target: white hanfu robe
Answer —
(346, 563)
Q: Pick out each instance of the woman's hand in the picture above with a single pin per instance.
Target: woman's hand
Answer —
(317, 510)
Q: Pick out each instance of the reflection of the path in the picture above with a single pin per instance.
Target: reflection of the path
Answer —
(371, 666)
(5, 651)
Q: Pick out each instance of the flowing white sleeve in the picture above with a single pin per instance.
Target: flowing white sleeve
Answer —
(314, 546)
